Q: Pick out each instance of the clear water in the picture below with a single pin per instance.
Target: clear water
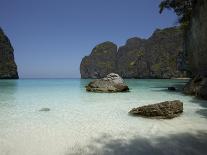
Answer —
(85, 123)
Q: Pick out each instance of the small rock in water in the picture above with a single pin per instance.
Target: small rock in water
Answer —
(171, 88)
(45, 109)
(164, 110)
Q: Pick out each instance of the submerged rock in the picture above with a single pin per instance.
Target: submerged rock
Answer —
(164, 110)
(111, 83)
(171, 88)
(197, 86)
(45, 109)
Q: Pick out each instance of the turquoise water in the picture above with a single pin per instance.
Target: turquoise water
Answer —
(85, 123)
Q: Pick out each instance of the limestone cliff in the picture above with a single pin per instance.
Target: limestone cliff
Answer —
(8, 67)
(196, 40)
(196, 49)
(100, 62)
(160, 56)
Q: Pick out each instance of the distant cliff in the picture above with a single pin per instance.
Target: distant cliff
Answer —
(160, 56)
(101, 61)
(8, 67)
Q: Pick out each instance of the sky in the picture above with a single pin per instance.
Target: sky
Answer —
(50, 37)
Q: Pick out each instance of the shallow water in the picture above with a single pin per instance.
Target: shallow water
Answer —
(95, 123)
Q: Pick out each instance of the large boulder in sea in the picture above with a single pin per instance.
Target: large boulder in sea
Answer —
(159, 56)
(100, 62)
(111, 83)
(8, 67)
(165, 110)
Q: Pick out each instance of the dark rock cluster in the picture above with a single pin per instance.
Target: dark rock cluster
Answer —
(165, 110)
(160, 56)
(171, 88)
(197, 86)
(8, 67)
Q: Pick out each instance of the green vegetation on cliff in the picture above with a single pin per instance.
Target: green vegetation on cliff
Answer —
(182, 8)
(160, 56)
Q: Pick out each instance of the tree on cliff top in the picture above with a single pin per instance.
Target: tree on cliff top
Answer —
(182, 8)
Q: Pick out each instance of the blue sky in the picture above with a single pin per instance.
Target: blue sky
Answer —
(50, 37)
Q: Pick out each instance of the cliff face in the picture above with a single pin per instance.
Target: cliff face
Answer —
(131, 59)
(160, 56)
(196, 40)
(100, 62)
(8, 67)
(196, 49)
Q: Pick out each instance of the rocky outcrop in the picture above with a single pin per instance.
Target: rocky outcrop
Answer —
(160, 56)
(8, 67)
(197, 86)
(111, 83)
(196, 49)
(165, 110)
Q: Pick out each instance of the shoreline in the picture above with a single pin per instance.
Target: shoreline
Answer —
(186, 78)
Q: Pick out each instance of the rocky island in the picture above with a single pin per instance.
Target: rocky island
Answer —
(8, 67)
(160, 56)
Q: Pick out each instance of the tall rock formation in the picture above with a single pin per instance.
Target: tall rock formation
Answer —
(196, 40)
(100, 62)
(196, 49)
(160, 56)
(131, 59)
(8, 67)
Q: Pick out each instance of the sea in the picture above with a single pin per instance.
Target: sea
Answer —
(79, 122)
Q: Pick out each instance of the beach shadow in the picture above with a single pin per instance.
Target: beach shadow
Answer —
(174, 144)
(202, 103)
(202, 112)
